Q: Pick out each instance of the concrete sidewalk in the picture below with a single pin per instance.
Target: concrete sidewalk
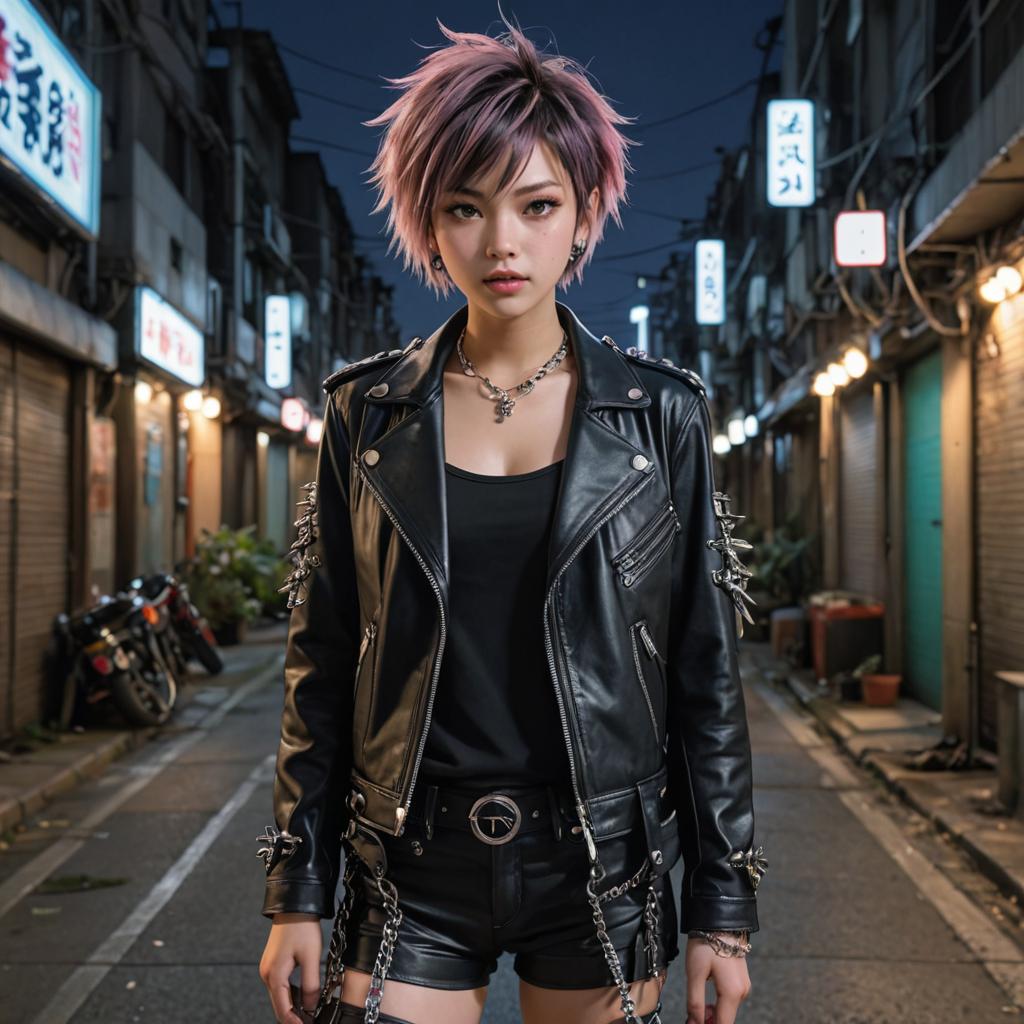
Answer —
(31, 779)
(884, 739)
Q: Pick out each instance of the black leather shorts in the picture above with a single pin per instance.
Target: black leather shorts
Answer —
(464, 901)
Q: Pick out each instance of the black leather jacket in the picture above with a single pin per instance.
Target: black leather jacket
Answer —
(640, 624)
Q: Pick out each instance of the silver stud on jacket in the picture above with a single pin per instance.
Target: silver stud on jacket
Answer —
(276, 846)
(296, 582)
(733, 575)
(754, 862)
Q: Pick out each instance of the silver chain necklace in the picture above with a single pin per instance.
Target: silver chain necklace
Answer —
(507, 403)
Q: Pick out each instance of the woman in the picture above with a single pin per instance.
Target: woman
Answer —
(511, 685)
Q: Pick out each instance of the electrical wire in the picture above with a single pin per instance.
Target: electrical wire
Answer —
(672, 118)
(332, 100)
(682, 171)
(327, 144)
(337, 68)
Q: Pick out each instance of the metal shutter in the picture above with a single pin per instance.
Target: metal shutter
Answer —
(34, 425)
(859, 555)
(999, 454)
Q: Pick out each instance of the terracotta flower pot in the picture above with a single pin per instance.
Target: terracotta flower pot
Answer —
(880, 689)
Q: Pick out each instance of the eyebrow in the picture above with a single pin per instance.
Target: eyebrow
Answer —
(464, 191)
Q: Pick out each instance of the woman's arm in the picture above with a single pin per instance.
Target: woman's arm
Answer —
(708, 742)
(314, 755)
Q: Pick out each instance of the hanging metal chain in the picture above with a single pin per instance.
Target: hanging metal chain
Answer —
(334, 972)
(611, 957)
(651, 923)
(389, 937)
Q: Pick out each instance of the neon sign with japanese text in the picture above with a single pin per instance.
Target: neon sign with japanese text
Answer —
(49, 116)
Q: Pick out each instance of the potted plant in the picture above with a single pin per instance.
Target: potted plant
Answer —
(779, 567)
(851, 683)
(880, 688)
(231, 577)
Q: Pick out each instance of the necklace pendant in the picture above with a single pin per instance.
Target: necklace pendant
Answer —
(505, 407)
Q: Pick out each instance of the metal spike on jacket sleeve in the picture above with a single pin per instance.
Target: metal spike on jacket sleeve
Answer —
(733, 575)
(304, 563)
(275, 846)
(754, 862)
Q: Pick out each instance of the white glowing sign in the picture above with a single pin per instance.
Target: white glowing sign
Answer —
(167, 339)
(277, 332)
(790, 160)
(49, 116)
(709, 284)
(860, 238)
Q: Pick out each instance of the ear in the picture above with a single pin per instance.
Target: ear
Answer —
(590, 213)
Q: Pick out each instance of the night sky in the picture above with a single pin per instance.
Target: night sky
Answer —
(650, 60)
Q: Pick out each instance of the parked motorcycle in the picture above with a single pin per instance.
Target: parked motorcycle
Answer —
(110, 650)
(181, 629)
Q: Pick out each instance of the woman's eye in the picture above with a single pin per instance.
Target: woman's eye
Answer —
(536, 202)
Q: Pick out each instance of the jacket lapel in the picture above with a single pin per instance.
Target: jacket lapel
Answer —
(600, 468)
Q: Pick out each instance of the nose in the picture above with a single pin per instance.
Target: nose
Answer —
(499, 240)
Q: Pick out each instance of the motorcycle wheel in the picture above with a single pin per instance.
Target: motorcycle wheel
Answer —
(205, 654)
(144, 697)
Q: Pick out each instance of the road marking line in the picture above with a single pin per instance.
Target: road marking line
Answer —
(37, 870)
(86, 979)
(997, 953)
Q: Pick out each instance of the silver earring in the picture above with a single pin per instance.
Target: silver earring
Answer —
(577, 251)
(436, 262)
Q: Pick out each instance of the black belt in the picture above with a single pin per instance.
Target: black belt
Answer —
(494, 816)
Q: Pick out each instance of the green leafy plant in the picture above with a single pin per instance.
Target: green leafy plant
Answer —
(235, 576)
(868, 666)
(780, 564)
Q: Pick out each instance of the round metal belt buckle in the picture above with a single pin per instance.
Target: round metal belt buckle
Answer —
(495, 819)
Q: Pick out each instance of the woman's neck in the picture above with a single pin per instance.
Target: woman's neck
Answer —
(504, 348)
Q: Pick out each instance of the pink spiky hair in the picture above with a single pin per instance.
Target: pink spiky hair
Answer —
(474, 101)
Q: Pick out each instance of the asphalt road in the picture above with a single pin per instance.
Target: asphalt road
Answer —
(136, 897)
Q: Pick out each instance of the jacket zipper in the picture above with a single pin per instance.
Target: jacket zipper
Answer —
(403, 808)
(638, 543)
(634, 565)
(641, 627)
(581, 809)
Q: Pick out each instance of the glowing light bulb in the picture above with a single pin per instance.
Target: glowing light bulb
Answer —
(855, 362)
(838, 374)
(1009, 277)
(992, 290)
(823, 385)
(211, 407)
(143, 391)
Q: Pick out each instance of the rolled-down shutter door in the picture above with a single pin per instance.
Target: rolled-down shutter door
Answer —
(34, 425)
(859, 500)
(999, 433)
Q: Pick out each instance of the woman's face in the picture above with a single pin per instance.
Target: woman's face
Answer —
(529, 229)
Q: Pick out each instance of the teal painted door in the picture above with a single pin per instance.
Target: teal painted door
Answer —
(922, 530)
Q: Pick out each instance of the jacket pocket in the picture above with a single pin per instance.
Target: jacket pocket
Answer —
(644, 655)
(366, 647)
(637, 559)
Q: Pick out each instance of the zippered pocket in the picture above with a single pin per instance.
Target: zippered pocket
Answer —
(642, 554)
(641, 640)
(368, 642)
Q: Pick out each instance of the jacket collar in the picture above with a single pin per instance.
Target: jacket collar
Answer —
(604, 377)
(602, 465)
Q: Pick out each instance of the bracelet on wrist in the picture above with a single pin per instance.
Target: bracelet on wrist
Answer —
(726, 947)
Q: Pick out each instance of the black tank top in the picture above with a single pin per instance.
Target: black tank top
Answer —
(495, 718)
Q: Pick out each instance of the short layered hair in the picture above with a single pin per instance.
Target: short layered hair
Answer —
(475, 101)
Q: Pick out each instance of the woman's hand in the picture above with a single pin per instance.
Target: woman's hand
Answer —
(294, 939)
(727, 973)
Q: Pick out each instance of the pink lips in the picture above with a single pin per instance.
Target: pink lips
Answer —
(506, 286)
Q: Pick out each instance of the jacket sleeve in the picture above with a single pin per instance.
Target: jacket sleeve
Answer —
(709, 755)
(314, 754)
